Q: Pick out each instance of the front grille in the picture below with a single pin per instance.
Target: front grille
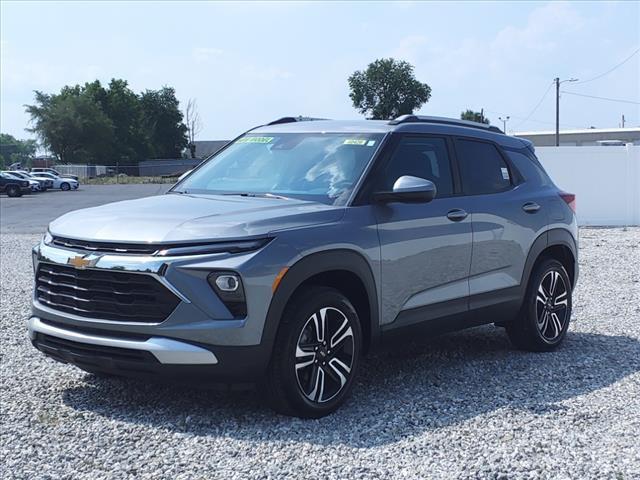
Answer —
(70, 351)
(104, 294)
(106, 247)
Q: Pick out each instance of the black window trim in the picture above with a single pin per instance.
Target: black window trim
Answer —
(515, 177)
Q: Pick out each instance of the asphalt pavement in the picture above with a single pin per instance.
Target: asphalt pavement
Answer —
(32, 213)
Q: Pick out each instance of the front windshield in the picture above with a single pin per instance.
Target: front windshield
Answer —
(322, 167)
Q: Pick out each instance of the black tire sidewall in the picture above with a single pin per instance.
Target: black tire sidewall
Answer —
(532, 317)
(294, 319)
(13, 191)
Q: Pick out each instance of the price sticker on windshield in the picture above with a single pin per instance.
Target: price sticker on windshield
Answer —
(355, 141)
(255, 140)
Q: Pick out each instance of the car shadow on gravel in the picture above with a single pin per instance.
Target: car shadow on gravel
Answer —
(424, 386)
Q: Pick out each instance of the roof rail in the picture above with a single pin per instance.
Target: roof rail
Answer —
(299, 118)
(443, 120)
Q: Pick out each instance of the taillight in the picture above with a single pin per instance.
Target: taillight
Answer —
(570, 198)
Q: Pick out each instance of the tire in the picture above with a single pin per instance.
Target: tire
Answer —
(305, 377)
(544, 318)
(14, 191)
(65, 186)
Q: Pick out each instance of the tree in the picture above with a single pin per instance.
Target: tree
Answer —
(474, 116)
(194, 124)
(387, 89)
(162, 119)
(92, 123)
(72, 126)
(17, 151)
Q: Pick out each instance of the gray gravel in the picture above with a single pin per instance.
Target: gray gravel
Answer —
(464, 406)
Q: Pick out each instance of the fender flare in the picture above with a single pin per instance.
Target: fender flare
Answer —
(549, 238)
(314, 264)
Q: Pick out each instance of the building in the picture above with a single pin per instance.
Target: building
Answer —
(206, 148)
(583, 138)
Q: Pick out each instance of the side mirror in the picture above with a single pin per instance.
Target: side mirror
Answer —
(408, 189)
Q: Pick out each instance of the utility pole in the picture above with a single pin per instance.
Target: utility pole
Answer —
(504, 122)
(622, 124)
(558, 82)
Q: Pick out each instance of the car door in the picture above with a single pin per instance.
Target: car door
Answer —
(425, 247)
(506, 218)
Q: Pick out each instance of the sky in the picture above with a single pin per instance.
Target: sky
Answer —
(250, 63)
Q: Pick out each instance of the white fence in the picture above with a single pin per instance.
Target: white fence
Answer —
(606, 181)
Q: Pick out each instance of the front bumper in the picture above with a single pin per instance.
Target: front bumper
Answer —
(199, 337)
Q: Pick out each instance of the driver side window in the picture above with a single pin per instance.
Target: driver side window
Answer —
(424, 157)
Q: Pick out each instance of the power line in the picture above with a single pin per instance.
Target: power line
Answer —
(602, 98)
(536, 107)
(610, 70)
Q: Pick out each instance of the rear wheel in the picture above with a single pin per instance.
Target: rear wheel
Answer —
(14, 191)
(65, 186)
(316, 354)
(544, 318)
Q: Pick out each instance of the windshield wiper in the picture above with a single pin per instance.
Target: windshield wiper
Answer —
(257, 195)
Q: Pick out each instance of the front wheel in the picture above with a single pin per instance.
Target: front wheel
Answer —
(316, 354)
(544, 318)
(14, 191)
(65, 186)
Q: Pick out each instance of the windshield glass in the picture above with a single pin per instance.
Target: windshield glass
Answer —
(322, 167)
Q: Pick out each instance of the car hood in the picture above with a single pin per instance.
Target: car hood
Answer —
(188, 218)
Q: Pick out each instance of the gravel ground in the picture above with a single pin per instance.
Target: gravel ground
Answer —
(464, 406)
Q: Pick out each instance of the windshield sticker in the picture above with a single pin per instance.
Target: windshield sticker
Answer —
(355, 141)
(255, 140)
(505, 173)
(371, 143)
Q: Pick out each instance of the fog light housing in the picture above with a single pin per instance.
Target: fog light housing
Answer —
(228, 286)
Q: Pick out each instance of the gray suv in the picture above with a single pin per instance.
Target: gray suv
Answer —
(303, 245)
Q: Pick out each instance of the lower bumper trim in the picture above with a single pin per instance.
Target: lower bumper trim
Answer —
(166, 350)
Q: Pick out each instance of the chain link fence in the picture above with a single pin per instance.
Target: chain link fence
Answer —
(149, 171)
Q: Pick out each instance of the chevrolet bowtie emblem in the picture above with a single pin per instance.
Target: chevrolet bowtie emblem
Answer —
(82, 262)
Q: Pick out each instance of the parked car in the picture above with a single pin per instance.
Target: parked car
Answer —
(45, 181)
(38, 170)
(63, 183)
(36, 186)
(301, 246)
(13, 186)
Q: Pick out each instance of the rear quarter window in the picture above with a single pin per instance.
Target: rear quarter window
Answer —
(529, 167)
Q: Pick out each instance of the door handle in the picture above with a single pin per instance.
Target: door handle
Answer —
(457, 214)
(531, 207)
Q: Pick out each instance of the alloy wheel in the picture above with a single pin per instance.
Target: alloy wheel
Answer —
(552, 306)
(324, 355)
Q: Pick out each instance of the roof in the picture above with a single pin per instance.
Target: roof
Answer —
(435, 125)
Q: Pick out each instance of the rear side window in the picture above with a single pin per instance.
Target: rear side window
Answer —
(482, 168)
(529, 166)
(424, 157)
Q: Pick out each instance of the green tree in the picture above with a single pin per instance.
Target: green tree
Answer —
(386, 89)
(72, 126)
(162, 120)
(17, 151)
(474, 116)
(92, 123)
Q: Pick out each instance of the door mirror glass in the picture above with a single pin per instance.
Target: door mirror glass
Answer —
(408, 189)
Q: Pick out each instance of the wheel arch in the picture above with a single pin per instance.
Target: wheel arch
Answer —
(556, 243)
(343, 269)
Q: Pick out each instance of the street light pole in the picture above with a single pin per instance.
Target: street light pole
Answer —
(558, 82)
(504, 122)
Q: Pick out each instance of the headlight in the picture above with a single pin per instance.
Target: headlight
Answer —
(228, 286)
(47, 239)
